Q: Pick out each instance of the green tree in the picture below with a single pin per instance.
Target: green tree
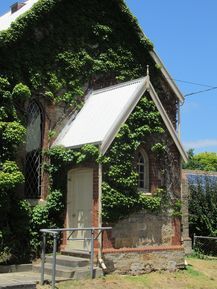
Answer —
(13, 212)
(206, 161)
(203, 205)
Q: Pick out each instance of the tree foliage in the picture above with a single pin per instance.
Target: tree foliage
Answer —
(12, 134)
(45, 215)
(203, 194)
(206, 161)
(203, 205)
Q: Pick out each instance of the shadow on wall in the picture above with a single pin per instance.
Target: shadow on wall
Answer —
(143, 229)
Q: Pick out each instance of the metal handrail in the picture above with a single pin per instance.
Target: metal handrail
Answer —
(55, 233)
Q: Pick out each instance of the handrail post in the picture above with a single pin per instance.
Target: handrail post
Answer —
(54, 260)
(92, 254)
(43, 257)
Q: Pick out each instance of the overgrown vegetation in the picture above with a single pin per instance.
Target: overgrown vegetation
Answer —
(203, 200)
(58, 56)
(12, 134)
(206, 161)
(120, 195)
(203, 211)
(203, 205)
(120, 187)
(47, 56)
(46, 215)
(199, 274)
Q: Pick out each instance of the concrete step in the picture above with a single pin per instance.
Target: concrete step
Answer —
(84, 273)
(61, 271)
(68, 261)
(68, 273)
(76, 253)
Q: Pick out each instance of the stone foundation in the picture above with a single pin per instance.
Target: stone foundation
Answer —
(145, 261)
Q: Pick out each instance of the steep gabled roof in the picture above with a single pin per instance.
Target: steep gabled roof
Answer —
(106, 110)
(102, 115)
(167, 76)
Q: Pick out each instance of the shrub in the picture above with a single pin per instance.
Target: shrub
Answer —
(203, 206)
(46, 216)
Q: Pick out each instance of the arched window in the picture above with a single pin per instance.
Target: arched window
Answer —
(33, 151)
(143, 170)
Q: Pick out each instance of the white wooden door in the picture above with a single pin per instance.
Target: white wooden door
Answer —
(79, 205)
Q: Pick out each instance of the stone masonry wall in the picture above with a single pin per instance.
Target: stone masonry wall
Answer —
(136, 263)
(143, 229)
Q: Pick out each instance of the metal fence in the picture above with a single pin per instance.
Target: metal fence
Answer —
(205, 245)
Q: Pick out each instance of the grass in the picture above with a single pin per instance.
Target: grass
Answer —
(199, 274)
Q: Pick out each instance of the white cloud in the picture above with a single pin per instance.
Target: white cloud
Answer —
(200, 143)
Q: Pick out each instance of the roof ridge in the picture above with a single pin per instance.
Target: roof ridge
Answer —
(119, 85)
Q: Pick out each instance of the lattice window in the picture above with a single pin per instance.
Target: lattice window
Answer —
(143, 171)
(33, 151)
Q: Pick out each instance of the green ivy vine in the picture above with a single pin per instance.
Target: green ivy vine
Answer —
(55, 56)
(119, 189)
(58, 59)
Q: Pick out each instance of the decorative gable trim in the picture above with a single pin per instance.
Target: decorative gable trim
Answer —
(167, 76)
(167, 122)
(123, 116)
(145, 85)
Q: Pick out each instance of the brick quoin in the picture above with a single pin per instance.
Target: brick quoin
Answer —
(48, 112)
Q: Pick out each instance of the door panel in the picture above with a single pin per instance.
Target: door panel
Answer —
(79, 205)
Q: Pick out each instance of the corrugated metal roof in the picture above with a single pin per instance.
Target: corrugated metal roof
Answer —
(102, 114)
(8, 18)
(105, 110)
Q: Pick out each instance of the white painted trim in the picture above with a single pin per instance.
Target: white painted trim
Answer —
(167, 122)
(123, 116)
(167, 76)
(119, 85)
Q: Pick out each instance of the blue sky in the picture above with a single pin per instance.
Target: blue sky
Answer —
(184, 36)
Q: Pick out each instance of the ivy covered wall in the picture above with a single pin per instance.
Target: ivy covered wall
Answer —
(55, 55)
(58, 51)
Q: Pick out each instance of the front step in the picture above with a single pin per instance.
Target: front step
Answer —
(67, 273)
(76, 253)
(68, 267)
(68, 261)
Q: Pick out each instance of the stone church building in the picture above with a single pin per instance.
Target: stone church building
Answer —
(97, 84)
